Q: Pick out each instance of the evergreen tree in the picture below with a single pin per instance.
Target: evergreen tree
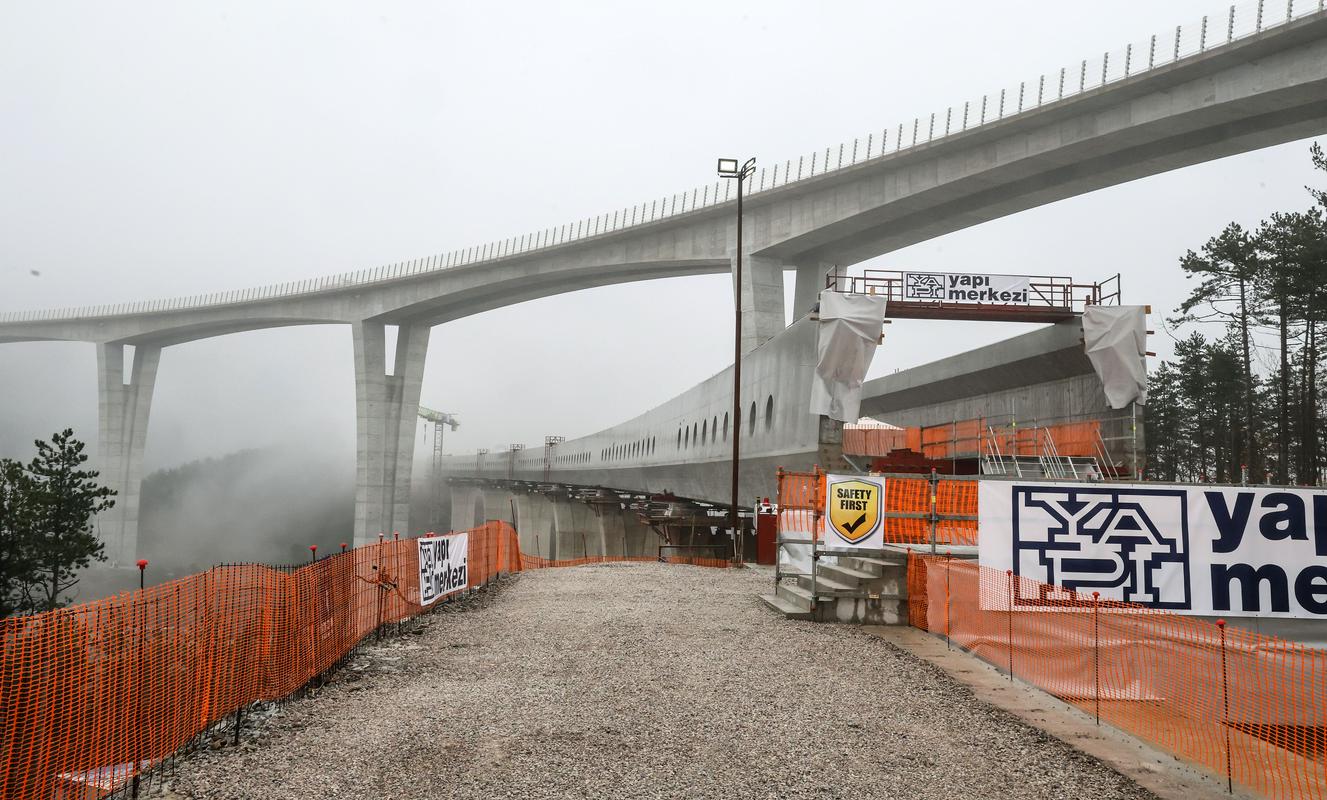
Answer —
(46, 519)
(1227, 265)
(1288, 280)
(1166, 432)
(16, 526)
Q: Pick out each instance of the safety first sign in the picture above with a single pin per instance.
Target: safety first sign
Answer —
(853, 514)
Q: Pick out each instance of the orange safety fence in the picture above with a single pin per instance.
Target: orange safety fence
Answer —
(95, 694)
(971, 438)
(801, 497)
(1251, 708)
(873, 441)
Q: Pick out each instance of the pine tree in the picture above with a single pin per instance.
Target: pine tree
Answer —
(16, 527)
(1228, 265)
(53, 528)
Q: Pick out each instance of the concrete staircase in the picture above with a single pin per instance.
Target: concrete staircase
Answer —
(864, 590)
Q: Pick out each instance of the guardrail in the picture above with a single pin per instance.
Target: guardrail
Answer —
(1135, 58)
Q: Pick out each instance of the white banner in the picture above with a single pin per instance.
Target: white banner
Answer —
(854, 516)
(1218, 551)
(962, 287)
(442, 565)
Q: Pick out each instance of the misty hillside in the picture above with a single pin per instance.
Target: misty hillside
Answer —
(264, 505)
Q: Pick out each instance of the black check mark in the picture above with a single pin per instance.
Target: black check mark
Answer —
(852, 528)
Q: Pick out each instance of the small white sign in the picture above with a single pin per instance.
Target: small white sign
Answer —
(963, 287)
(442, 566)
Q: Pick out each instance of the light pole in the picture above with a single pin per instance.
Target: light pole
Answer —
(728, 169)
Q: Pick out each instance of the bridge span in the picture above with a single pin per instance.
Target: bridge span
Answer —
(1259, 85)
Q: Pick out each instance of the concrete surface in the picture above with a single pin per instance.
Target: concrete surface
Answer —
(1156, 771)
(643, 681)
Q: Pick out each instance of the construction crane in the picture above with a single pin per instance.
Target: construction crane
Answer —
(440, 420)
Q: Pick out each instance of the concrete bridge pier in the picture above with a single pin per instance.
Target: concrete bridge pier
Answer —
(386, 404)
(612, 530)
(762, 299)
(554, 526)
(641, 540)
(810, 281)
(122, 415)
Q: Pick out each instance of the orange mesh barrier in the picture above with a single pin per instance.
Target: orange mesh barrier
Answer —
(917, 606)
(907, 496)
(1244, 705)
(1077, 438)
(873, 441)
(801, 498)
(93, 694)
(970, 438)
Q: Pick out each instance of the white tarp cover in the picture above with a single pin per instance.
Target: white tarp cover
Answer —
(848, 334)
(1115, 338)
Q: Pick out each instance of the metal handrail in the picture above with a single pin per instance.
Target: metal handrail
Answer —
(1250, 18)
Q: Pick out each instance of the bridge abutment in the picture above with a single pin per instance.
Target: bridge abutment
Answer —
(386, 405)
(122, 416)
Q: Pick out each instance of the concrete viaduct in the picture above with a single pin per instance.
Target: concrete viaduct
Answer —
(1079, 131)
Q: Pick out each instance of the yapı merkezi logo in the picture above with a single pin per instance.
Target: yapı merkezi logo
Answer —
(1129, 544)
(924, 286)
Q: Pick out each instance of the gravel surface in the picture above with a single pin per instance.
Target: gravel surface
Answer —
(640, 680)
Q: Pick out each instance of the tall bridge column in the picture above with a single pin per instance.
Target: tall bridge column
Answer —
(762, 300)
(810, 281)
(122, 414)
(385, 409)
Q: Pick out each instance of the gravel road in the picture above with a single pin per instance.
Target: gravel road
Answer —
(641, 681)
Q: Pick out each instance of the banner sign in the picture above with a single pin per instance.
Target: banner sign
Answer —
(959, 287)
(1219, 551)
(854, 512)
(442, 565)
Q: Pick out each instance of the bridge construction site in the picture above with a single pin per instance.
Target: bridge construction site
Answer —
(788, 579)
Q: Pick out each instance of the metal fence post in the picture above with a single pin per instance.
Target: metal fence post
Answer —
(1225, 702)
(948, 639)
(934, 485)
(1010, 615)
(1096, 651)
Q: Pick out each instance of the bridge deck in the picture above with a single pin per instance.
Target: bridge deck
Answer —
(644, 680)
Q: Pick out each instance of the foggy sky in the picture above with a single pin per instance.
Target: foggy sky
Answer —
(161, 149)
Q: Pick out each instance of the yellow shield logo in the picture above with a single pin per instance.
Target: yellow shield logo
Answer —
(854, 509)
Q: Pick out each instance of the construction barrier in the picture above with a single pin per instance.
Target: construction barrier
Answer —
(93, 695)
(1251, 708)
(910, 510)
(975, 438)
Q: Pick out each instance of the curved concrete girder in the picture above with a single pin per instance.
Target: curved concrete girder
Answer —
(507, 291)
(1162, 122)
(975, 208)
